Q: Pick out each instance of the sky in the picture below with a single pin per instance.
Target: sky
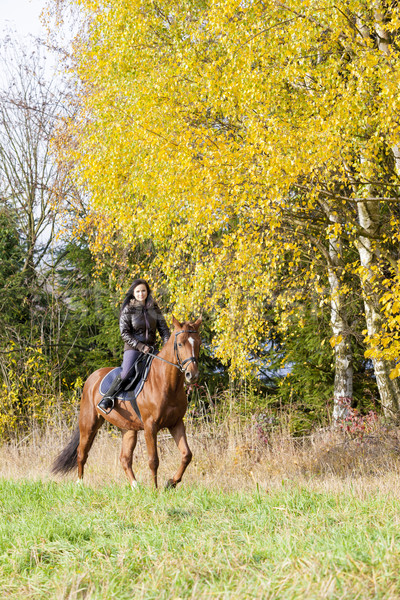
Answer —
(22, 16)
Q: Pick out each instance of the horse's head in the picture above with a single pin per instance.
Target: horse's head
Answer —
(187, 346)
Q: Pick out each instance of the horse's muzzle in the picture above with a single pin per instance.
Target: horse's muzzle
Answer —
(191, 376)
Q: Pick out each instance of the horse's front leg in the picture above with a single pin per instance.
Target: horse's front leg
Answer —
(179, 434)
(150, 436)
(129, 439)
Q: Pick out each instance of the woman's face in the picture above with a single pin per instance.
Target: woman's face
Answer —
(140, 293)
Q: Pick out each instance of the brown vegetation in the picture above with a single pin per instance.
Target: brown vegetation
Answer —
(230, 456)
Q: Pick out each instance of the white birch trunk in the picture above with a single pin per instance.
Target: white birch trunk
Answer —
(389, 390)
(343, 383)
(369, 219)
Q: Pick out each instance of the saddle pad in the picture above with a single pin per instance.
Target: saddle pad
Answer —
(134, 384)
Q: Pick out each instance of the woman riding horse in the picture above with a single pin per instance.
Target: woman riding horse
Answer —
(140, 318)
(162, 403)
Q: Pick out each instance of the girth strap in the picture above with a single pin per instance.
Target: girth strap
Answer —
(136, 408)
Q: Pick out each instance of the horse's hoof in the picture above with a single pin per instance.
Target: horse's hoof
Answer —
(79, 482)
(135, 485)
(170, 485)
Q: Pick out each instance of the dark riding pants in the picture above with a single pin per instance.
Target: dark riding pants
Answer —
(129, 359)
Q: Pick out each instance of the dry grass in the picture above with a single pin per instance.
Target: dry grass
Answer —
(228, 456)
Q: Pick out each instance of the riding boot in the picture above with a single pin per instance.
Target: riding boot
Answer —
(106, 404)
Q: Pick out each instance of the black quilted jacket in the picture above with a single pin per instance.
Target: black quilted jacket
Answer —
(140, 323)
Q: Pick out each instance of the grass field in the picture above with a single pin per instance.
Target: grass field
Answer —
(247, 525)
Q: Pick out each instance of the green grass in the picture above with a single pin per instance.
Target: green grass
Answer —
(65, 541)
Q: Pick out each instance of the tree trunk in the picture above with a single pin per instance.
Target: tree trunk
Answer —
(369, 219)
(343, 384)
(389, 390)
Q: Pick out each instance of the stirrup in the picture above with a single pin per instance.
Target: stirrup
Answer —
(104, 410)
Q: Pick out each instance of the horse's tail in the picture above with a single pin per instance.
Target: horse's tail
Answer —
(68, 457)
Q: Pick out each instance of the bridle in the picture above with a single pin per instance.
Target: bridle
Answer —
(187, 360)
(181, 365)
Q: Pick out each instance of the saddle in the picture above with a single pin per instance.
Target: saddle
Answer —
(134, 384)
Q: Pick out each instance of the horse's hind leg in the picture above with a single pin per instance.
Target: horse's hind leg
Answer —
(129, 439)
(179, 434)
(89, 424)
(150, 436)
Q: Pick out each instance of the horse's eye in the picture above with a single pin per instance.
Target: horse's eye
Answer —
(179, 344)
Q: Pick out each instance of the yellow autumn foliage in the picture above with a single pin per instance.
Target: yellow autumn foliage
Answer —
(226, 132)
(29, 395)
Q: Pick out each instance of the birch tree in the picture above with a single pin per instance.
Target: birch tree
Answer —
(239, 133)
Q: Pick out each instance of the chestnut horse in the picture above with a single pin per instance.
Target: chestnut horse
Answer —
(162, 403)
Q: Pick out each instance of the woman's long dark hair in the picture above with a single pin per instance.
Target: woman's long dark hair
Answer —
(129, 293)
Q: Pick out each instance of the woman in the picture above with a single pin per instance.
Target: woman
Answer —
(140, 318)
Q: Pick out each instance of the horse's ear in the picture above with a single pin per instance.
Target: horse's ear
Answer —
(197, 323)
(176, 323)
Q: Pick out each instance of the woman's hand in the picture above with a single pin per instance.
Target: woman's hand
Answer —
(143, 348)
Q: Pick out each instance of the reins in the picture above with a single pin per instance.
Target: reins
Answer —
(180, 365)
